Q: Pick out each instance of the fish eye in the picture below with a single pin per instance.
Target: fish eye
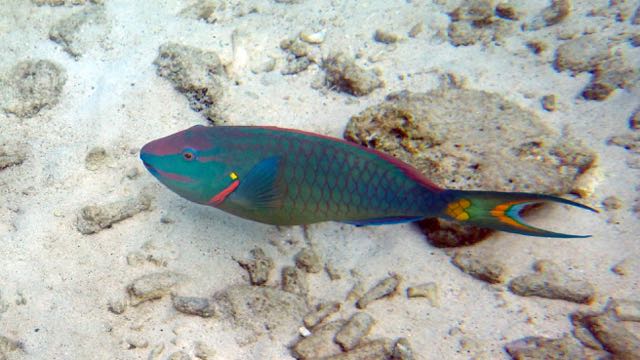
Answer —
(188, 154)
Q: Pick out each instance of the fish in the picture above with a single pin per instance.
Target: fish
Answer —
(282, 176)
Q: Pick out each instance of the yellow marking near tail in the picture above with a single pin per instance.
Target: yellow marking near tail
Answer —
(457, 209)
(233, 175)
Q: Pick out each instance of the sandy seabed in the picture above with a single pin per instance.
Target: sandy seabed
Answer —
(71, 128)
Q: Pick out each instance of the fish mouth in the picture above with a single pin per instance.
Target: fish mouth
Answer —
(150, 168)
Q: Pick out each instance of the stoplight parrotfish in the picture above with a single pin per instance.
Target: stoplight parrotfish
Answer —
(290, 177)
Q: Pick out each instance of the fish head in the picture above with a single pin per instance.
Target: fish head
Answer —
(189, 163)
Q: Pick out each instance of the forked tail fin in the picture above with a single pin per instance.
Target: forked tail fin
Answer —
(501, 210)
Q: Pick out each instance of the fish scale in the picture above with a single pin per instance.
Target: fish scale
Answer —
(290, 177)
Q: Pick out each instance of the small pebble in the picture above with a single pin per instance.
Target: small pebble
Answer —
(428, 291)
(259, 267)
(155, 352)
(203, 351)
(506, 11)
(179, 355)
(634, 120)
(295, 66)
(385, 37)
(343, 74)
(480, 267)
(611, 203)
(402, 350)
(320, 343)
(416, 29)
(625, 310)
(152, 286)
(132, 173)
(95, 218)
(371, 350)
(117, 306)
(333, 272)
(551, 283)
(536, 47)
(313, 38)
(137, 343)
(545, 348)
(354, 330)
(322, 312)
(384, 288)
(294, 281)
(96, 157)
(308, 260)
(193, 306)
(304, 332)
(549, 102)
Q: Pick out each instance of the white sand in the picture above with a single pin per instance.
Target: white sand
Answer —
(114, 99)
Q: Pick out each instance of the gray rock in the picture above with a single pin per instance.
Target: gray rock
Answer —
(152, 286)
(428, 291)
(540, 348)
(207, 10)
(117, 306)
(385, 37)
(179, 355)
(31, 86)
(262, 309)
(609, 75)
(343, 74)
(634, 119)
(193, 306)
(94, 218)
(296, 65)
(372, 350)
(630, 142)
(69, 32)
(625, 310)
(12, 154)
(507, 11)
(480, 267)
(358, 326)
(557, 12)
(320, 343)
(582, 332)
(583, 53)
(195, 73)
(96, 157)
(321, 312)
(294, 281)
(259, 267)
(309, 260)
(461, 149)
(550, 282)
(385, 287)
(615, 338)
(474, 22)
(549, 102)
(8, 345)
(402, 350)
(203, 352)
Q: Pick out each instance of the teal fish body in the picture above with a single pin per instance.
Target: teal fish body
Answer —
(290, 177)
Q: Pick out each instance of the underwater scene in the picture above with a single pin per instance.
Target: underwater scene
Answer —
(320, 179)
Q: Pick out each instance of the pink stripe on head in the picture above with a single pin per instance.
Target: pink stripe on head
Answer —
(195, 137)
(172, 176)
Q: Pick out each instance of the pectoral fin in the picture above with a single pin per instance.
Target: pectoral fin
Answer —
(261, 187)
